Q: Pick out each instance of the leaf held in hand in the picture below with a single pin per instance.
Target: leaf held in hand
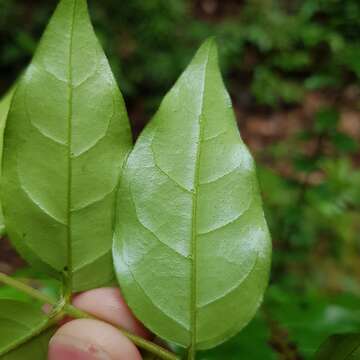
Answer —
(65, 142)
(191, 247)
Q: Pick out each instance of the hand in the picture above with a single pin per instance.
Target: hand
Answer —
(87, 339)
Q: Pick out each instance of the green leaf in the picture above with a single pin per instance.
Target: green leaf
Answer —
(65, 142)
(18, 322)
(4, 109)
(192, 248)
(340, 347)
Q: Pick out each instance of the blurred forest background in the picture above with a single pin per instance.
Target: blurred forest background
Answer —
(293, 69)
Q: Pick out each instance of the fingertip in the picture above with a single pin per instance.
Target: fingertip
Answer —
(108, 305)
(86, 339)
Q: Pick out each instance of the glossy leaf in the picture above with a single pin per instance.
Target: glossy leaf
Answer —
(65, 142)
(340, 347)
(192, 248)
(4, 109)
(18, 320)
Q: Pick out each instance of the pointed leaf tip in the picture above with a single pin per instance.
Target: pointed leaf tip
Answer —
(209, 47)
(210, 41)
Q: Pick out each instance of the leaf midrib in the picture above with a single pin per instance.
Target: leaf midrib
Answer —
(193, 302)
(69, 269)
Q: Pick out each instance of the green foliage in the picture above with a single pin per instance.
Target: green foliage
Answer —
(284, 48)
(313, 214)
(191, 213)
(60, 183)
(340, 347)
(302, 211)
(309, 319)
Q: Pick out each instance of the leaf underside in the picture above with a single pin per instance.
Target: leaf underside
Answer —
(17, 321)
(191, 246)
(66, 139)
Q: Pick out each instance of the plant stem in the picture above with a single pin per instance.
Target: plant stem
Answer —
(35, 294)
(77, 313)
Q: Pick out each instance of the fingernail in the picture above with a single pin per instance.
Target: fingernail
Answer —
(64, 347)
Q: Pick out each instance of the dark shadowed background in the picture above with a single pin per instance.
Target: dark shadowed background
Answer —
(292, 68)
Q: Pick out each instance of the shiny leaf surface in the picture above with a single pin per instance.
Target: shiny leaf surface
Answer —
(192, 248)
(65, 142)
(18, 320)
